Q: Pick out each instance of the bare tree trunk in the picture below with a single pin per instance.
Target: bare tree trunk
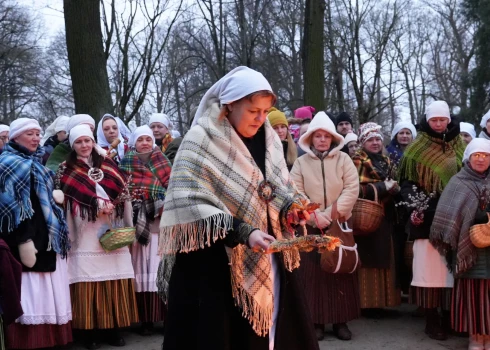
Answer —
(87, 58)
(313, 62)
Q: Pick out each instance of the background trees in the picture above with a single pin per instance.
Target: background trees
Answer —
(380, 59)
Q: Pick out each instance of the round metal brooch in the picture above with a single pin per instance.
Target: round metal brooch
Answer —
(95, 174)
(266, 191)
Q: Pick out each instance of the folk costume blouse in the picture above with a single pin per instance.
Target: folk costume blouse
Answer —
(88, 261)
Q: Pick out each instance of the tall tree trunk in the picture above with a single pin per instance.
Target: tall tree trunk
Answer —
(313, 62)
(86, 57)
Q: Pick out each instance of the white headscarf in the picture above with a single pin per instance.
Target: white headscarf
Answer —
(240, 82)
(58, 125)
(143, 130)
(4, 127)
(438, 109)
(102, 141)
(476, 145)
(467, 128)
(21, 125)
(403, 125)
(159, 118)
(175, 134)
(78, 119)
(484, 120)
(84, 130)
(123, 129)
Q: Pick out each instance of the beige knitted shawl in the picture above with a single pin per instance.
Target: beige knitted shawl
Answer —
(213, 180)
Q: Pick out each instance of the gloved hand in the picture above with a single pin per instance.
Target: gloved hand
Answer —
(27, 252)
(390, 184)
(320, 219)
(58, 196)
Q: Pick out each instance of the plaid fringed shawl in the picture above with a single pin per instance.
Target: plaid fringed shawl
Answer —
(148, 181)
(431, 162)
(147, 188)
(213, 180)
(455, 214)
(16, 168)
(80, 193)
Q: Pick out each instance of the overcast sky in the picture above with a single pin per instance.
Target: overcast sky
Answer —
(50, 11)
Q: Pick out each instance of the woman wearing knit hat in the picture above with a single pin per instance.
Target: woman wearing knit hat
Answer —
(101, 282)
(426, 167)
(34, 227)
(54, 134)
(462, 206)
(467, 132)
(160, 123)
(485, 126)
(279, 123)
(402, 135)
(333, 298)
(377, 275)
(150, 171)
(63, 149)
(351, 145)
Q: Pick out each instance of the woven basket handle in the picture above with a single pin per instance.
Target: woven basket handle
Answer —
(375, 192)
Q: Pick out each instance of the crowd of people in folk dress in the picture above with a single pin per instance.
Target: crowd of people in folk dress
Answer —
(206, 207)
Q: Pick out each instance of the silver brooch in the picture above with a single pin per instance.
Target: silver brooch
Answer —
(95, 174)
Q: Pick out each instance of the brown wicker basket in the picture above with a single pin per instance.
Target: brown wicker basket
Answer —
(480, 234)
(408, 254)
(367, 215)
(117, 238)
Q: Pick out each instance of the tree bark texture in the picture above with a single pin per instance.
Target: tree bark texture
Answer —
(86, 57)
(313, 51)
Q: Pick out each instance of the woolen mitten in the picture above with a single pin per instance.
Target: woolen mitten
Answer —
(27, 252)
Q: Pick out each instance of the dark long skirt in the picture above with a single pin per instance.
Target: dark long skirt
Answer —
(470, 307)
(202, 315)
(150, 307)
(20, 336)
(431, 298)
(331, 297)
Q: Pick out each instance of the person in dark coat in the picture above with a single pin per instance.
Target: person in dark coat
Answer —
(343, 123)
(223, 291)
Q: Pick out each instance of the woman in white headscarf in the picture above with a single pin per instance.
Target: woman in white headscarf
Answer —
(228, 193)
(467, 132)
(150, 171)
(107, 132)
(34, 227)
(160, 125)
(54, 134)
(62, 150)
(101, 282)
(485, 126)
(462, 205)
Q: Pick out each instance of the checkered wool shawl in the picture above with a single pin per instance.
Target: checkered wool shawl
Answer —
(147, 188)
(455, 214)
(368, 173)
(430, 162)
(80, 193)
(213, 180)
(17, 170)
(148, 181)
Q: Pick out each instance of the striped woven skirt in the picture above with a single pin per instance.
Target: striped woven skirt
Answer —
(20, 336)
(470, 306)
(332, 298)
(431, 298)
(103, 305)
(150, 307)
(378, 289)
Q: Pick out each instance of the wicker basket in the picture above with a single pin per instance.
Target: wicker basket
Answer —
(367, 215)
(408, 254)
(480, 234)
(117, 238)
